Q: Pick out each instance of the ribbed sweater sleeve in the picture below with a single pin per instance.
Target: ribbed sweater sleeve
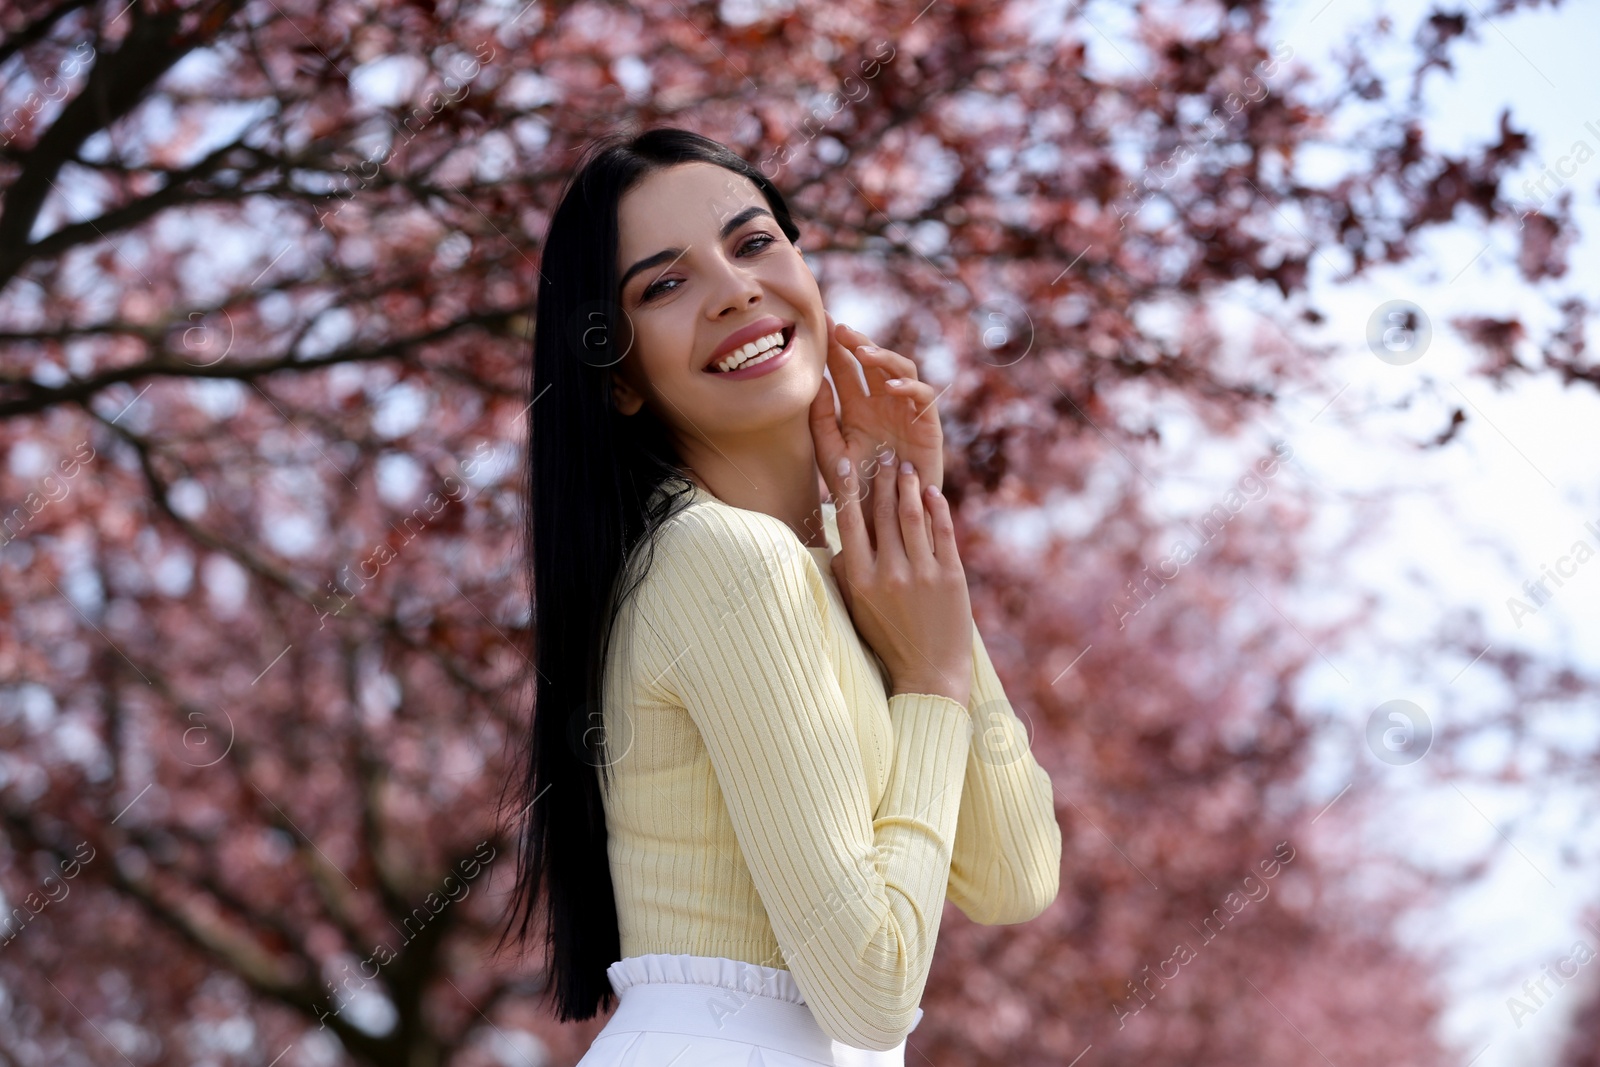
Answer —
(1006, 865)
(735, 628)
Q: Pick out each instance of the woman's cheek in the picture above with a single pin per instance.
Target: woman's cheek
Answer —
(665, 343)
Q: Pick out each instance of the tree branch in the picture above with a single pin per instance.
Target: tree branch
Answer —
(37, 397)
(117, 84)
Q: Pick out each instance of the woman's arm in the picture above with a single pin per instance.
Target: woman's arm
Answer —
(735, 617)
(1006, 864)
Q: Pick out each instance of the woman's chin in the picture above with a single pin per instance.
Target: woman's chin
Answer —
(769, 402)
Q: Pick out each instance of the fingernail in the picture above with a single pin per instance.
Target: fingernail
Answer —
(906, 467)
(893, 381)
(933, 490)
(843, 466)
(867, 349)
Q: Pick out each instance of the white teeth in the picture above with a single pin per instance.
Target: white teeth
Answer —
(740, 357)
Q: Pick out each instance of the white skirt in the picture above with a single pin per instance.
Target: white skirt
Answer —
(710, 1011)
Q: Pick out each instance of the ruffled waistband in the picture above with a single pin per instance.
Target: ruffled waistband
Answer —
(720, 971)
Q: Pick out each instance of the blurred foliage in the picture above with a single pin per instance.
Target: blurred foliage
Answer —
(266, 273)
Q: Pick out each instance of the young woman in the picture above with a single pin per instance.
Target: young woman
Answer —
(768, 742)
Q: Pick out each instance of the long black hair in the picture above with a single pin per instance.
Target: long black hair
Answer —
(591, 475)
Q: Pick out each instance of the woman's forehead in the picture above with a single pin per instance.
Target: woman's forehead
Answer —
(689, 200)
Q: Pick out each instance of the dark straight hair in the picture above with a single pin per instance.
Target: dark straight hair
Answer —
(591, 474)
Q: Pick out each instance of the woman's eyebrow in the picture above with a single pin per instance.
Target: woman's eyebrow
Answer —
(672, 253)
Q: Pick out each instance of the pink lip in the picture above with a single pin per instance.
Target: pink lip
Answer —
(743, 336)
(771, 363)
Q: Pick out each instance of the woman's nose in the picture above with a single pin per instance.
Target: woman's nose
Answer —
(736, 287)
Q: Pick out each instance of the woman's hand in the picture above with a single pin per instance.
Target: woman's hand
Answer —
(908, 595)
(900, 418)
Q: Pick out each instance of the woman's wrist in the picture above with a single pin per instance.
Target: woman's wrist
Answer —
(937, 685)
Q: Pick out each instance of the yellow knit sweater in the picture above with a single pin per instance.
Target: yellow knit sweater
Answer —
(769, 802)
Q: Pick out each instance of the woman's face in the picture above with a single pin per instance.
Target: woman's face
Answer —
(703, 263)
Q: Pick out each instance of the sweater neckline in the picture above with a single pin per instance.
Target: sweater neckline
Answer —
(830, 522)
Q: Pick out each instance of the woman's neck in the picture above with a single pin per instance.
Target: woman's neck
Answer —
(776, 477)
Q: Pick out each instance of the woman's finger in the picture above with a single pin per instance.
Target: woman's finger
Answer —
(854, 544)
(944, 530)
(846, 371)
(827, 440)
(886, 362)
(913, 521)
(886, 507)
(922, 394)
(825, 436)
(827, 443)
(877, 364)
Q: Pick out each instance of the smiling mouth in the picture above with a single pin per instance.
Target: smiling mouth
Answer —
(761, 357)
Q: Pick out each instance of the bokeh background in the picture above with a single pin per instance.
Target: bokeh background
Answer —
(1303, 288)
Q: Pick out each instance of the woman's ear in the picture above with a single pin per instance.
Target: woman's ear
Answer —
(627, 400)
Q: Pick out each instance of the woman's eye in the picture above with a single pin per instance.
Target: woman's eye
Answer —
(753, 244)
(764, 240)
